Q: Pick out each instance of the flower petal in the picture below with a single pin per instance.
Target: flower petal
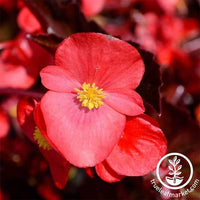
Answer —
(84, 137)
(17, 77)
(4, 124)
(59, 167)
(58, 79)
(89, 171)
(103, 59)
(126, 102)
(27, 21)
(140, 148)
(27, 109)
(25, 117)
(106, 173)
(39, 120)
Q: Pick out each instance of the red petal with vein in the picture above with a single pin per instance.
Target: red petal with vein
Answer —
(28, 22)
(103, 59)
(58, 79)
(106, 173)
(126, 102)
(84, 137)
(140, 148)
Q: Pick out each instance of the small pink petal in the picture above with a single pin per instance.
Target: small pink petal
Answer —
(83, 137)
(58, 79)
(106, 173)
(140, 148)
(127, 102)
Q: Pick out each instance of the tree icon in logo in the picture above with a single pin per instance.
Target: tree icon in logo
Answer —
(173, 180)
(174, 168)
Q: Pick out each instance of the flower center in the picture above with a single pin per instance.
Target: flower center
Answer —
(90, 96)
(42, 142)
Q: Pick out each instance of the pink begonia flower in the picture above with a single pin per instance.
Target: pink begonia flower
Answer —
(92, 89)
(138, 151)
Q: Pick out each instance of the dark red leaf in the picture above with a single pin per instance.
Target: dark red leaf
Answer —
(61, 18)
(149, 87)
(49, 42)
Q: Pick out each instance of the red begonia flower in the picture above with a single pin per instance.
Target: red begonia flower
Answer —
(91, 7)
(4, 124)
(21, 61)
(28, 22)
(138, 151)
(59, 167)
(91, 91)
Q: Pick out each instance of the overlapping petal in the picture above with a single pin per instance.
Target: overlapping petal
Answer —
(84, 137)
(58, 79)
(25, 116)
(140, 148)
(127, 102)
(59, 167)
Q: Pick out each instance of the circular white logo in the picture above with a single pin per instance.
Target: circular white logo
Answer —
(175, 179)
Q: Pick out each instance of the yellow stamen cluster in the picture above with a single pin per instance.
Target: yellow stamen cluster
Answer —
(90, 96)
(42, 142)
